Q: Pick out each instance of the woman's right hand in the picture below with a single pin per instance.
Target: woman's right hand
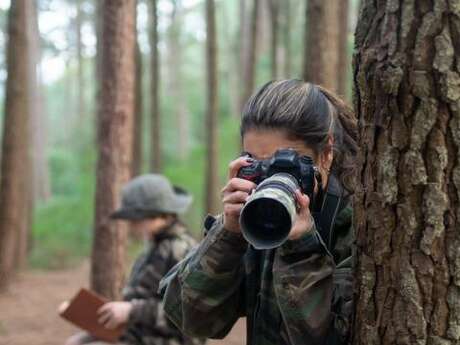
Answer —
(235, 193)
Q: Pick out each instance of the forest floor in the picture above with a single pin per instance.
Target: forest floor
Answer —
(28, 310)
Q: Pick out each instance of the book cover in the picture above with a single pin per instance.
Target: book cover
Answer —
(82, 312)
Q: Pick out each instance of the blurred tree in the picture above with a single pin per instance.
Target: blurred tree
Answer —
(38, 120)
(287, 51)
(81, 108)
(115, 128)
(274, 20)
(344, 61)
(139, 109)
(16, 138)
(155, 135)
(249, 63)
(212, 172)
(176, 80)
(321, 43)
(407, 211)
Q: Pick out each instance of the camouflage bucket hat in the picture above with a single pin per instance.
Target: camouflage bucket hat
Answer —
(150, 195)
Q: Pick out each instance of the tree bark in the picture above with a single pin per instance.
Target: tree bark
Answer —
(155, 146)
(212, 167)
(38, 121)
(115, 127)
(407, 212)
(344, 61)
(80, 72)
(15, 163)
(250, 59)
(287, 50)
(176, 80)
(274, 20)
(139, 110)
(321, 43)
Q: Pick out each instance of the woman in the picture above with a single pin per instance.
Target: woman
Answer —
(299, 292)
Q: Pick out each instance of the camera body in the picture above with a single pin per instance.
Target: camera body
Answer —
(284, 161)
(269, 213)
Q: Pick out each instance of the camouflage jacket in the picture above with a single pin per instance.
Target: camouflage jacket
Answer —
(147, 324)
(298, 293)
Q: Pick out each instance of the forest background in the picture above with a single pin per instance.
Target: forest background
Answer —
(64, 146)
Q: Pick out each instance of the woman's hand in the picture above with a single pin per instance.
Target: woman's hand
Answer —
(235, 193)
(304, 222)
(114, 314)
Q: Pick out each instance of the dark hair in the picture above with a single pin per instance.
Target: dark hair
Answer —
(309, 113)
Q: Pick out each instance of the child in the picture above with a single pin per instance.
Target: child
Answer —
(152, 206)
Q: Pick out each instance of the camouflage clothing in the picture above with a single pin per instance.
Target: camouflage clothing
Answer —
(147, 324)
(298, 293)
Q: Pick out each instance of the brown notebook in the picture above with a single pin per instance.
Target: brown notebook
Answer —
(82, 311)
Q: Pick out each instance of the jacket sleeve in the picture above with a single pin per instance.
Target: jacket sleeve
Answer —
(147, 305)
(304, 272)
(203, 294)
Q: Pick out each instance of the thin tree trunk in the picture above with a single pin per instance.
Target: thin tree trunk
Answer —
(116, 108)
(80, 72)
(287, 50)
(407, 211)
(41, 183)
(155, 146)
(274, 19)
(212, 171)
(138, 112)
(344, 61)
(250, 59)
(13, 186)
(176, 80)
(321, 43)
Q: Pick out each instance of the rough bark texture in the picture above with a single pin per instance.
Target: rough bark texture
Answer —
(155, 146)
(212, 172)
(115, 127)
(407, 97)
(13, 183)
(344, 60)
(249, 65)
(321, 43)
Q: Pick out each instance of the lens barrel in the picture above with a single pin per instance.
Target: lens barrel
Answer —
(270, 212)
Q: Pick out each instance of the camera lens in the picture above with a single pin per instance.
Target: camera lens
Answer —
(270, 212)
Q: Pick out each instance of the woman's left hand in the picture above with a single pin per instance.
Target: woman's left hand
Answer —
(304, 222)
(114, 314)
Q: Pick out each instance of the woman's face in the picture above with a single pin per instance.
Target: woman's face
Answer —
(263, 143)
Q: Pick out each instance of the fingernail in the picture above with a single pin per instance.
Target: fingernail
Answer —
(249, 160)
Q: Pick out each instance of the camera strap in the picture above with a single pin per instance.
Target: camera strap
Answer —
(333, 202)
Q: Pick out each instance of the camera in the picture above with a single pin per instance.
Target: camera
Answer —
(270, 212)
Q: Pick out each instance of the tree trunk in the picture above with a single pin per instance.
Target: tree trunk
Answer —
(212, 167)
(13, 186)
(250, 59)
(176, 80)
(80, 73)
(41, 182)
(274, 19)
(344, 61)
(321, 43)
(155, 147)
(138, 111)
(407, 212)
(115, 127)
(286, 49)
